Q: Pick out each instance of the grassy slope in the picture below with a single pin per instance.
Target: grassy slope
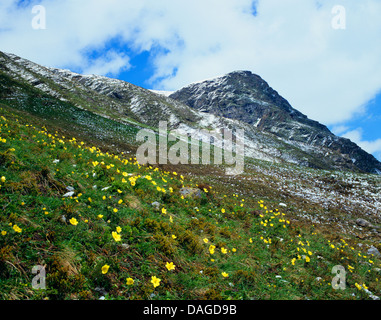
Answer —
(261, 244)
(32, 103)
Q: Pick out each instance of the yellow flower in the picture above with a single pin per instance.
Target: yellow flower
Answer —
(120, 201)
(211, 249)
(225, 275)
(224, 251)
(116, 236)
(130, 281)
(234, 249)
(148, 177)
(206, 240)
(155, 281)
(163, 210)
(251, 240)
(3, 233)
(115, 210)
(17, 228)
(308, 259)
(170, 266)
(73, 221)
(174, 237)
(170, 219)
(118, 229)
(105, 268)
(100, 216)
(223, 210)
(3, 179)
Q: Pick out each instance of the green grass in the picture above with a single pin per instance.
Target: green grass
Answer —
(265, 249)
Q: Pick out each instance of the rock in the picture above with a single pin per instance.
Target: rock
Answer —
(156, 205)
(69, 188)
(191, 192)
(102, 291)
(69, 194)
(364, 223)
(371, 295)
(282, 204)
(373, 250)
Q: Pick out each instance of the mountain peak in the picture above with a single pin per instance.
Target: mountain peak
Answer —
(244, 96)
(232, 93)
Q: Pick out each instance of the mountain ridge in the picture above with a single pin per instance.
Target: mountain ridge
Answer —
(244, 96)
(274, 131)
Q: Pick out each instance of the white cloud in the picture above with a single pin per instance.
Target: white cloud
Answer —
(340, 129)
(327, 74)
(356, 136)
(110, 64)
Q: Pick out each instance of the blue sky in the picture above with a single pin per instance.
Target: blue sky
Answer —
(324, 59)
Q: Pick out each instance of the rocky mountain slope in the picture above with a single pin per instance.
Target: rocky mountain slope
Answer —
(274, 131)
(246, 97)
(101, 226)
